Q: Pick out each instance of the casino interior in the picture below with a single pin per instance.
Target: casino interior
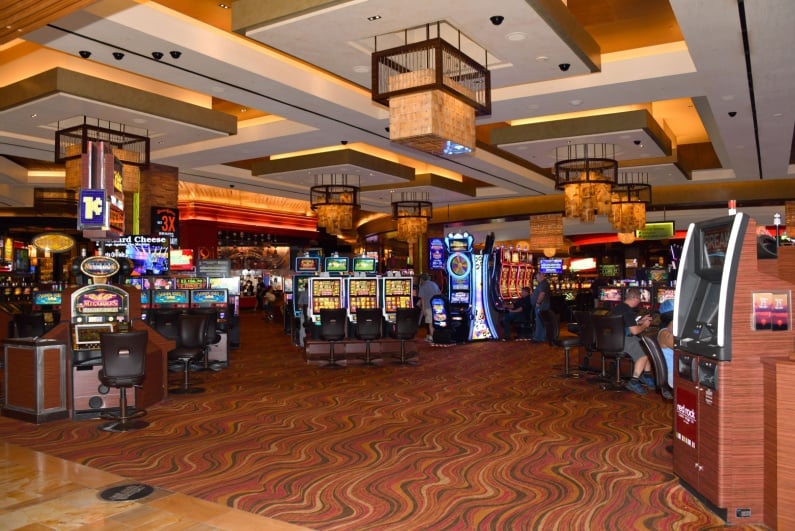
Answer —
(165, 162)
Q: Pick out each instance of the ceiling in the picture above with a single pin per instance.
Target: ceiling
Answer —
(262, 97)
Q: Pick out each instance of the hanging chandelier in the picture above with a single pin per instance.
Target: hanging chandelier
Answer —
(433, 90)
(334, 199)
(546, 233)
(586, 173)
(412, 212)
(628, 202)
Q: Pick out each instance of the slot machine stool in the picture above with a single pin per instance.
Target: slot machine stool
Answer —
(191, 347)
(123, 366)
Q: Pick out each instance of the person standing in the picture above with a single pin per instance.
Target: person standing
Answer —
(634, 325)
(540, 300)
(428, 288)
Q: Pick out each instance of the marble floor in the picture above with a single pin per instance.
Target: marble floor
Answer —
(41, 492)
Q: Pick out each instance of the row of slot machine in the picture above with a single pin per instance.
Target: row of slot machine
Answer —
(351, 283)
(512, 270)
(183, 293)
(651, 297)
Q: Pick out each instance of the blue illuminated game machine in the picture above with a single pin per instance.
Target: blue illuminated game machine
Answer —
(468, 283)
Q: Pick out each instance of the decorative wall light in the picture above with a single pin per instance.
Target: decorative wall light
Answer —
(433, 90)
(412, 211)
(546, 233)
(628, 202)
(334, 198)
(586, 173)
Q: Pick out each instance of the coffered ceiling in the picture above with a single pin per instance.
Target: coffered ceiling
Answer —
(690, 92)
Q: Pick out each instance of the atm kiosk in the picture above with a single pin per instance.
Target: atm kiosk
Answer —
(95, 309)
(397, 293)
(720, 446)
(215, 299)
(48, 303)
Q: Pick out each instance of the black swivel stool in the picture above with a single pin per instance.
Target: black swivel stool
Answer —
(191, 346)
(123, 366)
(610, 334)
(587, 335)
(406, 326)
(213, 337)
(552, 325)
(333, 323)
(653, 350)
(368, 328)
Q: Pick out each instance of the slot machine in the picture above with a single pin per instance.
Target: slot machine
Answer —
(362, 292)
(143, 284)
(232, 315)
(442, 325)
(459, 279)
(397, 293)
(95, 309)
(306, 267)
(215, 300)
(324, 292)
(48, 303)
(167, 304)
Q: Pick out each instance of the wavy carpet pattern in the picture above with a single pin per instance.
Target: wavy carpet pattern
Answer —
(479, 436)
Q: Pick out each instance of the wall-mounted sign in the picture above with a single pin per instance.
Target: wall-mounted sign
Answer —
(165, 222)
(436, 254)
(93, 211)
(658, 230)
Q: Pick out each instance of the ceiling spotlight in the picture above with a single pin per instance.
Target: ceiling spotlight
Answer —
(118, 56)
(85, 54)
(175, 54)
(157, 55)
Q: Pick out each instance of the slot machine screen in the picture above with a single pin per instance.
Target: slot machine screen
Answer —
(336, 264)
(459, 297)
(181, 260)
(664, 294)
(170, 297)
(208, 297)
(552, 266)
(87, 335)
(307, 264)
(230, 284)
(610, 295)
(364, 265)
(47, 298)
(459, 284)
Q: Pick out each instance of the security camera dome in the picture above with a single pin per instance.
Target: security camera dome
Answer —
(497, 19)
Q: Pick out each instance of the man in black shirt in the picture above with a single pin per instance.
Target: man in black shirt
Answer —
(634, 325)
(519, 313)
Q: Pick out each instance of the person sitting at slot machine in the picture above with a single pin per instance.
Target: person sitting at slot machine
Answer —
(519, 313)
(635, 325)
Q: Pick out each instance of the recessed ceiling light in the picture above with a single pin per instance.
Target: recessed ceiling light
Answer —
(243, 109)
(374, 17)
(576, 103)
(34, 115)
(361, 69)
(542, 58)
(223, 6)
(516, 36)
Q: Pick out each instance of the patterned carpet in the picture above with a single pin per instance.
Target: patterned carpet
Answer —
(479, 436)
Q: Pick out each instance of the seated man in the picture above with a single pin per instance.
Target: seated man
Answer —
(634, 325)
(520, 312)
